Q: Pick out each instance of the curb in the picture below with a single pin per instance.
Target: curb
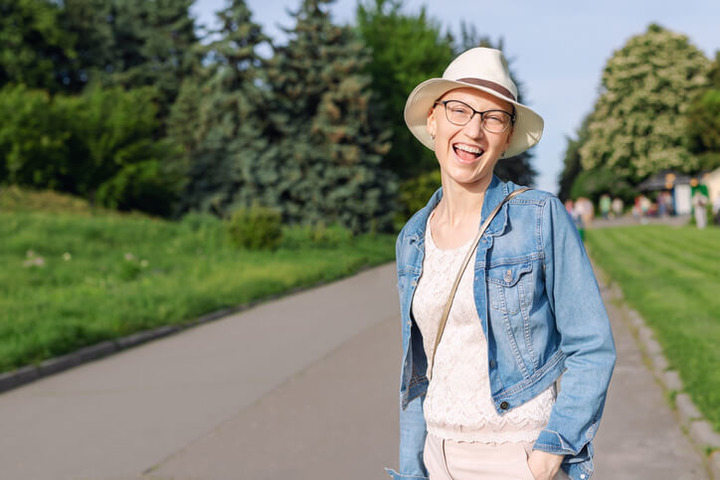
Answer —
(24, 375)
(698, 430)
(30, 373)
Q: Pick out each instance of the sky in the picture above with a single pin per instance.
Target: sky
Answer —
(557, 48)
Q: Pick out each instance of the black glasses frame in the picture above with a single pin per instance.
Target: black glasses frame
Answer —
(482, 114)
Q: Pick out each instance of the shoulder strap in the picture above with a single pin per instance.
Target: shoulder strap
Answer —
(463, 266)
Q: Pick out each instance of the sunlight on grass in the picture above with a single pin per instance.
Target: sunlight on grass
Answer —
(75, 279)
(672, 277)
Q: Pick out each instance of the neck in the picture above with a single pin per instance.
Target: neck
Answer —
(462, 203)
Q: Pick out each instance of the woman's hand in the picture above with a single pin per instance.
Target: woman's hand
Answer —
(544, 465)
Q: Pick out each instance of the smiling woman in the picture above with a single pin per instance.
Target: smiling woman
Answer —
(482, 357)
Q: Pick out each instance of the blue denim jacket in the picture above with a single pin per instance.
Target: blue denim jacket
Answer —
(541, 313)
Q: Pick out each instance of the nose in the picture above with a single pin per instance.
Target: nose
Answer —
(474, 128)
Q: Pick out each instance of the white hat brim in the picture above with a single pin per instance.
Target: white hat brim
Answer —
(527, 130)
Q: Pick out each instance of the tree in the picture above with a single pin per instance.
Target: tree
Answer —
(406, 50)
(703, 121)
(32, 43)
(326, 166)
(220, 117)
(155, 41)
(639, 122)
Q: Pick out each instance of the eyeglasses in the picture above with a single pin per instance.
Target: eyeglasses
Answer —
(494, 121)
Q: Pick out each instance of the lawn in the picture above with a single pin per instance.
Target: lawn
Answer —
(671, 276)
(73, 277)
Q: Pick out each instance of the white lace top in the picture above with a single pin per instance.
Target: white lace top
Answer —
(458, 405)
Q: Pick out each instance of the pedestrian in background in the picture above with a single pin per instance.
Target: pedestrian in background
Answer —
(479, 396)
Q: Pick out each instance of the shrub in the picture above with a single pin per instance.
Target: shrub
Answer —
(255, 228)
(318, 235)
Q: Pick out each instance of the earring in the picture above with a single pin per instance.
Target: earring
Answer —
(432, 135)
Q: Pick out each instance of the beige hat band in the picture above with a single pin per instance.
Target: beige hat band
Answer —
(491, 85)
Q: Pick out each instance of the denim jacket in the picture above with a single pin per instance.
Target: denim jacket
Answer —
(542, 315)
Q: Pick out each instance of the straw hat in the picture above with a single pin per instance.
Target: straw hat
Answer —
(484, 69)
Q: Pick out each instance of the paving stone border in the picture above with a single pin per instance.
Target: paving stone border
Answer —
(698, 429)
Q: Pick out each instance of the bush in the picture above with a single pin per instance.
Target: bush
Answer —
(255, 228)
(318, 235)
(415, 193)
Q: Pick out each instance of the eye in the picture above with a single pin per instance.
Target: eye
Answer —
(495, 118)
(459, 109)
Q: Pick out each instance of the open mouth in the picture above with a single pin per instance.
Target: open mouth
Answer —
(467, 153)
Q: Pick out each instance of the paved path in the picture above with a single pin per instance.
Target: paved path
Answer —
(301, 388)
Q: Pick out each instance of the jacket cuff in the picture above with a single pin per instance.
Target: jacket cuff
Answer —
(552, 442)
(396, 476)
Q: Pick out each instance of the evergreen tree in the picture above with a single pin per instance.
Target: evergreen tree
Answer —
(32, 43)
(89, 22)
(639, 122)
(326, 166)
(406, 50)
(220, 117)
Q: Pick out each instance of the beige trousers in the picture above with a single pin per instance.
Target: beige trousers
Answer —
(449, 460)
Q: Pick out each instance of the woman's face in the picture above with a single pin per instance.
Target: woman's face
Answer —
(467, 154)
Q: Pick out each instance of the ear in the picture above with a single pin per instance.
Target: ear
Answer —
(509, 137)
(431, 122)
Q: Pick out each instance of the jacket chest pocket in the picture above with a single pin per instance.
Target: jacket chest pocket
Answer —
(510, 287)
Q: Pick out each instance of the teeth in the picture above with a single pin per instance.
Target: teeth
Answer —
(469, 149)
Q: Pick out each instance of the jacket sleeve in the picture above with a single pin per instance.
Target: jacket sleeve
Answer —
(585, 336)
(412, 442)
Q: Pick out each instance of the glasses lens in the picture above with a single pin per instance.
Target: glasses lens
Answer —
(496, 121)
(458, 113)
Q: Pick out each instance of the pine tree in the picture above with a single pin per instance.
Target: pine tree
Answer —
(220, 116)
(326, 166)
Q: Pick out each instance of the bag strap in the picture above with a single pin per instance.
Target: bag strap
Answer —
(463, 266)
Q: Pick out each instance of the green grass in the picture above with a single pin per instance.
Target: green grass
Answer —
(671, 276)
(73, 278)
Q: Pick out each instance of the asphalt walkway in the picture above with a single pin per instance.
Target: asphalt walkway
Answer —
(299, 388)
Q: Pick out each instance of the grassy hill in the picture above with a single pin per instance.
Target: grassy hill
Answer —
(74, 276)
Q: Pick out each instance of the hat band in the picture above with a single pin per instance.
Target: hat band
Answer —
(491, 85)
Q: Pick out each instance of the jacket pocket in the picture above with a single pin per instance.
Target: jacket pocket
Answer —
(510, 287)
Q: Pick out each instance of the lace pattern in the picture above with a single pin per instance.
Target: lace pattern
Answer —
(458, 405)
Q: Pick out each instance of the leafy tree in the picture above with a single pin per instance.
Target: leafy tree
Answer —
(34, 139)
(31, 43)
(326, 166)
(99, 145)
(220, 117)
(704, 121)
(406, 50)
(639, 122)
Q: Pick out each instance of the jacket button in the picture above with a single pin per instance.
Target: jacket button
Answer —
(508, 276)
(504, 405)
(492, 363)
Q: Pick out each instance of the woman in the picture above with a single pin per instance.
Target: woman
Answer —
(484, 403)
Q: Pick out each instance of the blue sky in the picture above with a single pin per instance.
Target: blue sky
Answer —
(557, 48)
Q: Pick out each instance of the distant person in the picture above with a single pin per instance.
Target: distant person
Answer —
(478, 393)
(585, 209)
(617, 207)
(604, 205)
(716, 208)
(699, 203)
